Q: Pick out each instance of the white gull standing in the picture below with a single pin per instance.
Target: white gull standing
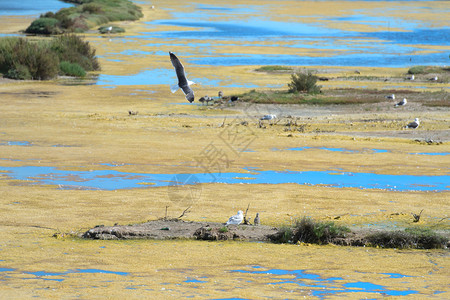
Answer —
(236, 219)
(401, 103)
(414, 124)
(183, 82)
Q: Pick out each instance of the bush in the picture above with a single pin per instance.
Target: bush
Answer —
(24, 59)
(409, 238)
(309, 231)
(85, 15)
(73, 49)
(71, 69)
(44, 26)
(302, 82)
(27, 60)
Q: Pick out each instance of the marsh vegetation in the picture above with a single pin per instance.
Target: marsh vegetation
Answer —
(85, 15)
(45, 59)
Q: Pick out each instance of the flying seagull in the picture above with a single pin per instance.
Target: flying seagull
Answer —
(401, 103)
(413, 124)
(236, 219)
(183, 82)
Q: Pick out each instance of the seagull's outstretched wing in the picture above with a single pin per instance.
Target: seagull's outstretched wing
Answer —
(183, 83)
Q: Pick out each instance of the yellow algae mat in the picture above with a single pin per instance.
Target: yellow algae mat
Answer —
(57, 126)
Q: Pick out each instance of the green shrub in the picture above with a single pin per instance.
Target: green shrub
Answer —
(44, 26)
(283, 236)
(73, 49)
(409, 238)
(417, 70)
(223, 229)
(19, 72)
(303, 83)
(24, 59)
(85, 15)
(71, 69)
(92, 8)
(309, 231)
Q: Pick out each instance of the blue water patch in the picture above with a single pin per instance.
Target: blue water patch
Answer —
(45, 275)
(396, 275)
(97, 271)
(114, 180)
(6, 269)
(16, 143)
(30, 7)
(431, 153)
(320, 287)
(152, 77)
(165, 77)
(193, 280)
(343, 150)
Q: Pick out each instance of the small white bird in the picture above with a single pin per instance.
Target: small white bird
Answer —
(109, 29)
(256, 222)
(268, 117)
(391, 97)
(435, 78)
(401, 103)
(236, 219)
(413, 124)
(412, 77)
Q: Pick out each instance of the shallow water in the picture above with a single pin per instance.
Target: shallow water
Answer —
(30, 7)
(115, 180)
(365, 151)
(321, 287)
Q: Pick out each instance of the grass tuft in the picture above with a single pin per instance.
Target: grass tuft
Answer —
(304, 83)
(273, 69)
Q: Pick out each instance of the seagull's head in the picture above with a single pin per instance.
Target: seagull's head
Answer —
(416, 120)
(240, 212)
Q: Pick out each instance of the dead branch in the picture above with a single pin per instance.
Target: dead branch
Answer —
(185, 211)
(416, 217)
(246, 222)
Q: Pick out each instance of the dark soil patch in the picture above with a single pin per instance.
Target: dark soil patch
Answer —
(179, 229)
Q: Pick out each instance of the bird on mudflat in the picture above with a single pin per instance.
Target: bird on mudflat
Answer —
(401, 103)
(435, 78)
(412, 77)
(220, 94)
(391, 97)
(256, 222)
(414, 124)
(183, 82)
(236, 219)
(268, 117)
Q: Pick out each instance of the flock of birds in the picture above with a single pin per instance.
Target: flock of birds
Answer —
(414, 124)
(185, 85)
